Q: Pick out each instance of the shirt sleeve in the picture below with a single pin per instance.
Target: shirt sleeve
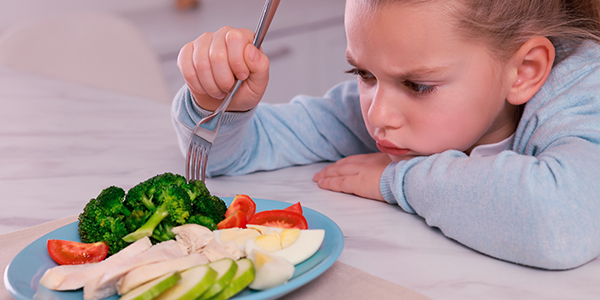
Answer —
(536, 203)
(306, 130)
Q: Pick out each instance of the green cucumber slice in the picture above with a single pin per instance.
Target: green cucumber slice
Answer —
(242, 278)
(153, 288)
(193, 283)
(226, 269)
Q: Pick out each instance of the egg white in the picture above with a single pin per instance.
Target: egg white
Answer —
(307, 244)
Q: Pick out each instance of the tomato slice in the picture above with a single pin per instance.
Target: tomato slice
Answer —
(295, 207)
(279, 218)
(236, 219)
(75, 253)
(243, 203)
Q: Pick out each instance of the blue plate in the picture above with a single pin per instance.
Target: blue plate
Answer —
(25, 270)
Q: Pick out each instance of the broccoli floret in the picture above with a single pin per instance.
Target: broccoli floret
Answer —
(203, 220)
(172, 202)
(204, 204)
(163, 232)
(102, 219)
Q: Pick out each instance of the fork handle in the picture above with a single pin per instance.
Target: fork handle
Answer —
(265, 21)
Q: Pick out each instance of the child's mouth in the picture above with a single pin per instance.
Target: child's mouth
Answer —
(389, 148)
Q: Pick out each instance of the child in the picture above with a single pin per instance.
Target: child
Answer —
(483, 117)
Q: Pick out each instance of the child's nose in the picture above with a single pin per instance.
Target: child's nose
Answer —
(385, 110)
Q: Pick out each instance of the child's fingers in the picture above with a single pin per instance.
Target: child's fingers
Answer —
(188, 71)
(220, 64)
(258, 64)
(204, 67)
(237, 40)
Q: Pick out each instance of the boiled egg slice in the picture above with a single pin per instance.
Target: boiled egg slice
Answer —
(295, 245)
(271, 270)
(237, 235)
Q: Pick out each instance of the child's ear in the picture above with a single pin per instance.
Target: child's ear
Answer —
(532, 63)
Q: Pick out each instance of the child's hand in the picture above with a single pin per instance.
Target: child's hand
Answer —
(211, 63)
(357, 174)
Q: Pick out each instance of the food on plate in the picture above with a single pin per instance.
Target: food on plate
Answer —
(270, 270)
(226, 269)
(72, 277)
(193, 283)
(145, 273)
(242, 203)
(292, 244)
(105, 285)
(153, 288)
(75, 253)
(193, 238)
(244, 275)
(150, 209)
(235, 235)
(168, 200)
(102, 220)
(236, 219)
(279, 218)
(296, 207)
(165, 244)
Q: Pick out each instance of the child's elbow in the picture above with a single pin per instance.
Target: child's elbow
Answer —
(562, 253)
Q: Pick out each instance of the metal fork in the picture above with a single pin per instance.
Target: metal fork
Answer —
(206, 130)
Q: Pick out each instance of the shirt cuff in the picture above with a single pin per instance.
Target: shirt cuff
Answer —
(391, 185)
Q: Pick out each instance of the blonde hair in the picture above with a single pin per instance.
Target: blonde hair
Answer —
(505, 25)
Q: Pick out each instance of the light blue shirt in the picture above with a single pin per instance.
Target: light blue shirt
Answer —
(535, 203)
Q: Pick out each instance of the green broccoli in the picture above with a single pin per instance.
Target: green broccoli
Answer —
(162, 198)
(203, 220)
(204, 204)
(102, 220)
(152, 208)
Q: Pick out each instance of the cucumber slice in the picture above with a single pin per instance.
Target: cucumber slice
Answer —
(193, 283)
(226, 269)
(242, 278)
(153, 288)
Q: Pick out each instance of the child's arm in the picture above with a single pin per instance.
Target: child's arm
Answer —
(307, 130)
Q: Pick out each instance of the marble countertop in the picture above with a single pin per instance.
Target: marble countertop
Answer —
(61, 143)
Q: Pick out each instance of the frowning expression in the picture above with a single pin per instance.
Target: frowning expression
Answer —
(424, 89)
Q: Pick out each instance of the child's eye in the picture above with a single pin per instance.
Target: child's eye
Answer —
(419, 89)
(364, 75)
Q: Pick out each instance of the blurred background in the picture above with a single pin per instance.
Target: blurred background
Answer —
(305, 43)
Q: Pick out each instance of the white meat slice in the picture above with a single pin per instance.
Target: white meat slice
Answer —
(192, 237)
(72, 277)
(215, 251)
(105, 284)
(145, 273)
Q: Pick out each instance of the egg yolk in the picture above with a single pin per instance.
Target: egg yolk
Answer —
(276, 241)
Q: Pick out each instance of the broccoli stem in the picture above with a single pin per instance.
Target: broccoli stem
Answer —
(148, 228)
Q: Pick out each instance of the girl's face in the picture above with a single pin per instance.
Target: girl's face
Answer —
(423, 88)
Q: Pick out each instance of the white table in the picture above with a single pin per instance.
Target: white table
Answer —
(61, 143)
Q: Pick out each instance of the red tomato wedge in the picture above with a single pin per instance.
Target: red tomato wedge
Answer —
(295, 207)
(279, 218)
(243, 203)
(236, 219)
(75, 253)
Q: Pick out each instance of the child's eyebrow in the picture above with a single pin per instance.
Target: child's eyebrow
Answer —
(421, 72)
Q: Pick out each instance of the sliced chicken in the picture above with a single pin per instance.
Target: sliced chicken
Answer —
(140, 275)
(215, 251)
(72, 277)
(192, 237)
(105, 284)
